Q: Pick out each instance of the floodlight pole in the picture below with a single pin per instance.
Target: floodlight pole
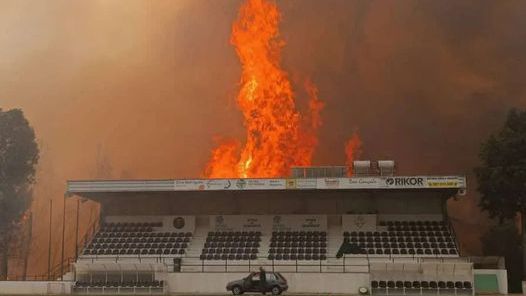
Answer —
(63, 237)
(77, 231)
(49, 240)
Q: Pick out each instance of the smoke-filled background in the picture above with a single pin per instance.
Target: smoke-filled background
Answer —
(140, 89)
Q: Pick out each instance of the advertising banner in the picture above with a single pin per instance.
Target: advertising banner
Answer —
(376, 182)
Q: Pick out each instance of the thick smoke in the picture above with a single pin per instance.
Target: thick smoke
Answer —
(139, 89)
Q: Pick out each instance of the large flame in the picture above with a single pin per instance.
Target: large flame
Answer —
(353, 150)
(278, 136)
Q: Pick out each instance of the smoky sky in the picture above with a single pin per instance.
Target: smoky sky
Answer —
(150, 85)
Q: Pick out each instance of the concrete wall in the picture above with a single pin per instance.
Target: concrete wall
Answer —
(34, 288)
(333, 283)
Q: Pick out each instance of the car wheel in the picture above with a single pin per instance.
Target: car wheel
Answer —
(236, 290)
(276, 290)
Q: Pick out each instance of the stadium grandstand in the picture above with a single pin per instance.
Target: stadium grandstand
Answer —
(373, 233)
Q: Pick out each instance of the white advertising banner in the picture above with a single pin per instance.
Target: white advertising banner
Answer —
(299, 223)
(374, 182)
(240, 223)
(359, 222)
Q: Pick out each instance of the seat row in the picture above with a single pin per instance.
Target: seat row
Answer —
(100, 284)
(399, 239)
(297, 251)
(413, 223)
(138, 246)
(142, 234)
(136, 240)
(230, 251)
(233, 239)
(391, 251)
(298, 239)
(403, 245)
(297, 257)
(232, 245)
(400, 233)
(157, 251)
(421, 284)
(217, 256)
(294, 244)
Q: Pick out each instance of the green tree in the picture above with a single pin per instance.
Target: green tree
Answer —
(502, 175)
(18, 158)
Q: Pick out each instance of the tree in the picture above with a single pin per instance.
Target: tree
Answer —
(18, 158)
(511, 251)
(502, 175)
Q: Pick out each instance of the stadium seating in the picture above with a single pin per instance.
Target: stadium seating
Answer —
(136, 239)
(119, 287)
(298, 245)
(382, 287)
(230, 245)
(413, 238)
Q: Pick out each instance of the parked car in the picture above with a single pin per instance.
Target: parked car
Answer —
(276, 284)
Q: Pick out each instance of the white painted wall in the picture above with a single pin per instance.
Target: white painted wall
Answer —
(34, 288)
(502, 278)
(333, 283)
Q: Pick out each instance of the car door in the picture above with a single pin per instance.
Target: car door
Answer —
(271, 280)
(254, 282)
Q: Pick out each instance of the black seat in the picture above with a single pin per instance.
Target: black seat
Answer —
(424, 284)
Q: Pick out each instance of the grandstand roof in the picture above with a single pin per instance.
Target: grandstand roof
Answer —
(420, 183)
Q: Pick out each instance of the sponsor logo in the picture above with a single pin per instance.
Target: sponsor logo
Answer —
(179, 222)
(228, 184)
(277, 219)
(220, 220)
(405, 181)
(241, 183)
(291, 183)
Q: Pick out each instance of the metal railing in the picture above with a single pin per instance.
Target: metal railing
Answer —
(196, 264)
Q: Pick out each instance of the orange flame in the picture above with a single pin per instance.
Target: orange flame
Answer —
(353, 150)
(278, 137)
